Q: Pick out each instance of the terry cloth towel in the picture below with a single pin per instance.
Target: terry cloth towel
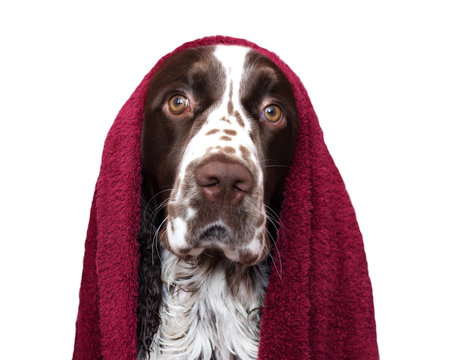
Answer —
(318, 305)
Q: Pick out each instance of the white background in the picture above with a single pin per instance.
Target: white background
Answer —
(380, 78)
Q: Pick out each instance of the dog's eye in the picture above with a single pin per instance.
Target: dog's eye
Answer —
(177, 104)
(271, 113)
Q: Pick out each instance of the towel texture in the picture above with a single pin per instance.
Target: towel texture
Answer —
(318, 303)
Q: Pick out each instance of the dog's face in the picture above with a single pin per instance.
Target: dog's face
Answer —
(219, 131)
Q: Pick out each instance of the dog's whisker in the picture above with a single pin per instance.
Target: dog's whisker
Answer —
(153, 201)
(156, 239)
(273, 222)
(157, 206)
(156, 234)
(157, 245)
(161, 192)
(153, 216)
(271, 210)
(275, 218)
(280, 274)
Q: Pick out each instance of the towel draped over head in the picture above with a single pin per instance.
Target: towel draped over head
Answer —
(318, 304)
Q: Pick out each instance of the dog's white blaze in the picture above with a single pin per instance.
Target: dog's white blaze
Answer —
(232, 58)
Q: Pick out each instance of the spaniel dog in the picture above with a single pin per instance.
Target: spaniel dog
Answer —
(218, 135)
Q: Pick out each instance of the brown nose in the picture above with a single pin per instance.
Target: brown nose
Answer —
(224, 181)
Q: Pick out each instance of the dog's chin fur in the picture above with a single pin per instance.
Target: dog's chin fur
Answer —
(213, 244)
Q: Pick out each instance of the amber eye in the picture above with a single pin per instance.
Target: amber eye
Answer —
(177, 104)
(271, 113)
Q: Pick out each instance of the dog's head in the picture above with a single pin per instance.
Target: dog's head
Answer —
(219, 131)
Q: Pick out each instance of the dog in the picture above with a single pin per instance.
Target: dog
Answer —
(219, 131)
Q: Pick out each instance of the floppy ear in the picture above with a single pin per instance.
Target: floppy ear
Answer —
(149, 271)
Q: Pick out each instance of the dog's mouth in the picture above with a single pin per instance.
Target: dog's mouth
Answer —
(215, 232)
(215, 238)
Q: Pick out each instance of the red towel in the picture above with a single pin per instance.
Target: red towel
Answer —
(318, 305)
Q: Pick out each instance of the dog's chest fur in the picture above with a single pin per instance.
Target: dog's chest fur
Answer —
(205, 316)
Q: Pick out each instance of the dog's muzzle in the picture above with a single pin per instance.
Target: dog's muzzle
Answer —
(220, 207)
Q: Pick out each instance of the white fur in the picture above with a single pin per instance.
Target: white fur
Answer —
(177, 236)
(192, 295)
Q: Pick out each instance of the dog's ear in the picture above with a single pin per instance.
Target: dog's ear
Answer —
(149, 272)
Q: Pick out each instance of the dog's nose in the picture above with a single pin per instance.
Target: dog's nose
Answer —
(224, 181)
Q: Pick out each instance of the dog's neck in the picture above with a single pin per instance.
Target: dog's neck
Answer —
(209, 310)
